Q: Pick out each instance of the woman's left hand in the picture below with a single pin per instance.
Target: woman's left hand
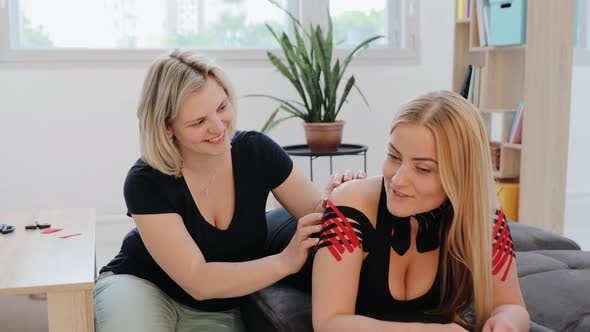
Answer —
(338, 179)
(498, 324)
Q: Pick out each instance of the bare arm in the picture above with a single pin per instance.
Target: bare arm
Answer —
(179, 256)
(298, 194)
(335, 284)
(509, 311)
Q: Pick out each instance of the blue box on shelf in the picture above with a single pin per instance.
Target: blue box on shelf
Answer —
(507, 22)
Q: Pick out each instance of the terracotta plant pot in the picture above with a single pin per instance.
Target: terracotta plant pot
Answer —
(324, 137)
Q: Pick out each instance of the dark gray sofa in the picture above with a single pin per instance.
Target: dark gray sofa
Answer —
(554, 277)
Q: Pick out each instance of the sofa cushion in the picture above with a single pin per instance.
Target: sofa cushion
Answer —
(555, 285)
(528, 238)
(554, 278)
(280, 308)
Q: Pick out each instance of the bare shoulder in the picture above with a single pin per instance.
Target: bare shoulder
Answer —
(360, 194)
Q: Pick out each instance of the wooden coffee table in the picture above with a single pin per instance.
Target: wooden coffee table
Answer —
(63, 269)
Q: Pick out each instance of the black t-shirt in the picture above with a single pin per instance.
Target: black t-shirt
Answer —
(259, 165)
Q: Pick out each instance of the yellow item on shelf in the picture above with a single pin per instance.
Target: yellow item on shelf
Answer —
(507, 193)
(460, 9)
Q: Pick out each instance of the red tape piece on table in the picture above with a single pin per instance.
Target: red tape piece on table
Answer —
(503, 250)
(51, 230)
(344, 233)
(71, 235)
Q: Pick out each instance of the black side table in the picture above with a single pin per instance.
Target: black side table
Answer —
(343, 149)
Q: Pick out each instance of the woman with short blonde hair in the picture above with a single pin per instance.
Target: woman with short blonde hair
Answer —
(428, 248)
(198, 196)
(170, 80)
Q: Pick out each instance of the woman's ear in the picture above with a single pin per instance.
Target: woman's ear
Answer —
(169, 133)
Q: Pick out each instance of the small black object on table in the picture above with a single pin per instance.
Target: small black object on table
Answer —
(343, 149)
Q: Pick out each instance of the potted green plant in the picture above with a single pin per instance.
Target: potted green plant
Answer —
(316, 74)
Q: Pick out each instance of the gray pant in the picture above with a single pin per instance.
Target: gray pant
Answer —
(127, 303)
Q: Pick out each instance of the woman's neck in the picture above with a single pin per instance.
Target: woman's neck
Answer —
(205, 164)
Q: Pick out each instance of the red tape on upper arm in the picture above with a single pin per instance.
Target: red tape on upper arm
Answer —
(503, 250)
(345, 236)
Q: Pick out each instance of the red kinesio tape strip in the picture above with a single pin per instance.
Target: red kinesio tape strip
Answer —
(497, 229)
(71, 235)
(508, 268)
(51, 230)
(348, 229)
(503, 250)
(340, 235)
(344, 233)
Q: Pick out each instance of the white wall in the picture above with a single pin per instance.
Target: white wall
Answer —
(68, 136)
(578, 177)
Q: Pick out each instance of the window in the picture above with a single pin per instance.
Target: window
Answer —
(136, 24)
(582, 39)
(354, 21)
(131, 30)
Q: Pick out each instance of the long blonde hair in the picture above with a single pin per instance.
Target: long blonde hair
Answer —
(169, 81)
(466, 175)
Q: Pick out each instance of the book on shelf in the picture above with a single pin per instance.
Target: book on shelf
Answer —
(515, 136)
(460, 4)
(486, 22)
(463, 7)
(476, 87)
(479, 8)
(470, 91)
(474, 90)
(464, 91)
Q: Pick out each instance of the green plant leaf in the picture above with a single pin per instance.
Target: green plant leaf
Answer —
(272, 31)
(291, 57)
(308, 66)
(301, 48)
(285, 71)
(307, 75)
(272, 122)
(280, 66)
(330, 39)
(345, 93)
(286, 104)
(352, 53)
(291, 16)
(362, 96)
(318, 46)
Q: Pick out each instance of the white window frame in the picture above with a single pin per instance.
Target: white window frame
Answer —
(582, 52)
(308, 11)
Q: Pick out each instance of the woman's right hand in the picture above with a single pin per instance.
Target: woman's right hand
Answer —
(295, 254)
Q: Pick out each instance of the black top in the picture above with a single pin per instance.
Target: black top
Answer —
(259, 165)
(374, 296)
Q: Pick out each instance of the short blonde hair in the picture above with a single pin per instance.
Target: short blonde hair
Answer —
(170, 80)
(466, 174)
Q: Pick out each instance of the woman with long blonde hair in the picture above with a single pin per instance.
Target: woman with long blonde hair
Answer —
(423, 247)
